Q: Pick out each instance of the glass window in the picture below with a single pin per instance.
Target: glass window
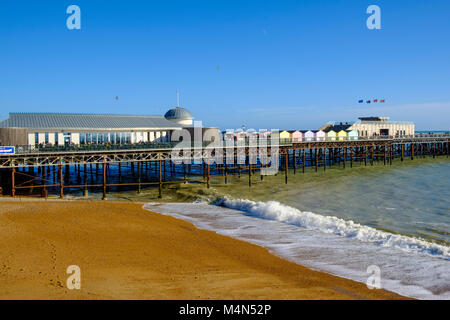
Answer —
(94, 138)
(36, 138)
(46, 138)
(82, 138)
(56, 138)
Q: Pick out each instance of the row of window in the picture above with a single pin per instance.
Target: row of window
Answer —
(111, 137)
(100, 137)
(46, 137)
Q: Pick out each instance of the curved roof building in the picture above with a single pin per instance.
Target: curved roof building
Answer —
(179, 115)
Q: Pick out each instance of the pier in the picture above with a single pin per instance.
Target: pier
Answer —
(40, 172)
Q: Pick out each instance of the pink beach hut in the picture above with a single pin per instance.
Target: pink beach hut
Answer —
(296, 136)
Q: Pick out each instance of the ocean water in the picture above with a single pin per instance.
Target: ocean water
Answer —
(340, 221)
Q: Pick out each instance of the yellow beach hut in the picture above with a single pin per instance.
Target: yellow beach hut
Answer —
(331, 135)
(285, 137)
(342, 135)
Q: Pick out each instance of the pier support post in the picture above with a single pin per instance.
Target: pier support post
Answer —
(412, 151)
(85, 190)
(13, 182)
(104, 181)
(207, 173)
(295, 160)
(402, 152)
(165, 176)
(249, 174)
(303, 160)
(345, 156)
(372, 149)
(391, 154)
(351, 157)
(317, 159)
(366, 155)
(160, 178)
(286, 165)
(61, 182)
(226, 173)
(139, 166)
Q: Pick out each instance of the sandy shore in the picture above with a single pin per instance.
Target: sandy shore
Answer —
(125, 252)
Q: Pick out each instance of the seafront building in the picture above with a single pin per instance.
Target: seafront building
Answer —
(369, 127)
(62, 129)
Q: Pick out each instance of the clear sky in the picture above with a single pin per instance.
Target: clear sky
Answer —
(266, 64)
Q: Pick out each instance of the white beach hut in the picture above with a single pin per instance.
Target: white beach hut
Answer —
(320, 135)
(352, 135)
(310, 135)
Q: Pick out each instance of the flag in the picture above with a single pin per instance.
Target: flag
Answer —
(368, 101)
(360, 101)
(382, 101)
(375, 100)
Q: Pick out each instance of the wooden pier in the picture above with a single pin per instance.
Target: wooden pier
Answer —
(38, 173)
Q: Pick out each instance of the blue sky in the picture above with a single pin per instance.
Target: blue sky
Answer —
(265, 64)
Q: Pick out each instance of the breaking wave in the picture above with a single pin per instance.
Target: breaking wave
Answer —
(274, 210)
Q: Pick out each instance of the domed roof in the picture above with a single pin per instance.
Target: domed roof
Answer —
(178, 113)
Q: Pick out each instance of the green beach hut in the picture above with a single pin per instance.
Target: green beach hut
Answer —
(331, 135)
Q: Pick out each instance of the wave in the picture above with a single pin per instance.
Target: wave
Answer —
(274, 210)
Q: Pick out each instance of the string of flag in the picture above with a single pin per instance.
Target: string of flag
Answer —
(374, 101)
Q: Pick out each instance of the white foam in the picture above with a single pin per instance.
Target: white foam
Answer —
(274, 210)
(328, 244)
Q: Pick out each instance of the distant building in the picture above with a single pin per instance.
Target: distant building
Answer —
(372, 127)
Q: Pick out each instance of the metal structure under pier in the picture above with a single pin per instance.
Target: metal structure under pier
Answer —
(40, 173)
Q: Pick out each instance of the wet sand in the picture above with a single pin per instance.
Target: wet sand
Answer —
(126, 252)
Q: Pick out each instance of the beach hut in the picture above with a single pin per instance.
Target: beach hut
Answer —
(285, 137)
(352, 135)
(342, 135)
(320, 135)
(331, 135)
(296, 136)
(309, 135)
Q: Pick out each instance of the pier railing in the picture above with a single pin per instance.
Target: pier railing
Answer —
(33, 149)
